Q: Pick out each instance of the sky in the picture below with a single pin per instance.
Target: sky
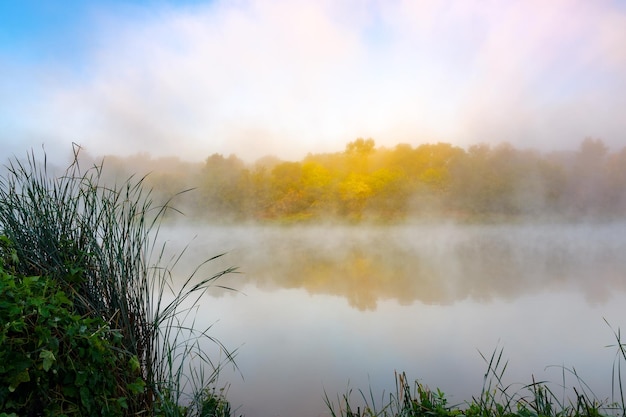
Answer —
(289, 77)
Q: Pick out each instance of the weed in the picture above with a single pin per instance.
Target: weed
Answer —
(496, 398)
(97, 242)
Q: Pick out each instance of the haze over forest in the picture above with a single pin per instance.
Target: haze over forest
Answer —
(220, 84)
(287, 77)
(365, 182)
(496, 167)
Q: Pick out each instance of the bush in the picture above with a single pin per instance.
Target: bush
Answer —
(54, 362)
(104, 285)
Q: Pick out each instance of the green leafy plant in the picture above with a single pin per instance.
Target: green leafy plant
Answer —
(97, 243)
(55, 361)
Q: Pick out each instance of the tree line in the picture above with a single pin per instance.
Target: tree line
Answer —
(365, 182)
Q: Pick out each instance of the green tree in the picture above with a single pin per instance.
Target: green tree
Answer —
(360, 146)
(477, 187)
(616, 173)
(589, 178)
(389, 196)
(358, 154)
(354, 192)
(317, 184)
(288, 197)
(220, 188)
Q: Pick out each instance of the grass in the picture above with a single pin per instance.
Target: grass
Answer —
(99, 242)
(496, 399)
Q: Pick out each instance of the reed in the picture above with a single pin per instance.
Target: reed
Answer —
(496, 398)
(99, 243)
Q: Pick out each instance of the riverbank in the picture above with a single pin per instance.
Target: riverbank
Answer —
(496, 398)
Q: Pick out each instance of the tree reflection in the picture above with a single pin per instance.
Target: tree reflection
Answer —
(441, 265)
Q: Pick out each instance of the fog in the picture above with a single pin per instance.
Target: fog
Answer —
(286, 78)
(323, 308)
(351, 268)
(337, 302)
(429, 263)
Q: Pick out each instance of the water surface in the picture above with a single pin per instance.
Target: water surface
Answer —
(327, 308)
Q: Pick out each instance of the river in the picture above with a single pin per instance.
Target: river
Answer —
(328, 308)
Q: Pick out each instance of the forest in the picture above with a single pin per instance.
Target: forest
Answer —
(364, 182)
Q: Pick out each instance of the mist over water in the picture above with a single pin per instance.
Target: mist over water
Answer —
(330, 307)
(430, 263)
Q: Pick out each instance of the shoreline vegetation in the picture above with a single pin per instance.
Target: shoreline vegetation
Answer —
(92, 325)
(365, 183)
(496, 398)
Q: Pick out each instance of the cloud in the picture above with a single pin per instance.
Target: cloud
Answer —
(208, 77)
(256, 77)
(535, 80)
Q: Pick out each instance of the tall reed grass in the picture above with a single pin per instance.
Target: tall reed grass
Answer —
(99, 242)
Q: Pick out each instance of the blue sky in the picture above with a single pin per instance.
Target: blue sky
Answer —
(287, 77)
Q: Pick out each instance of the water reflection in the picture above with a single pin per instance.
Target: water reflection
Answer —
(321, 308)
(433, 264)
(295, 346)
